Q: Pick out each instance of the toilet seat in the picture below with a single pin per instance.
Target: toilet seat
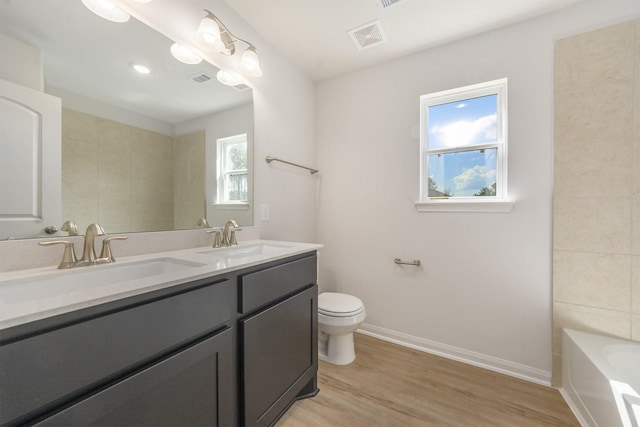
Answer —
(339, 305)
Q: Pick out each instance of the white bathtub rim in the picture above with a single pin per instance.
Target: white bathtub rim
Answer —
(601, 347)
(596, 349)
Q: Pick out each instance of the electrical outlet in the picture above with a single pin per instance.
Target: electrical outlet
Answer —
(264, 212)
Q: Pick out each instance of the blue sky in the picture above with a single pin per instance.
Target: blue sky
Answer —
(463, 124)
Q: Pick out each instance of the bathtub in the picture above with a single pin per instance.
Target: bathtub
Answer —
(601, 379)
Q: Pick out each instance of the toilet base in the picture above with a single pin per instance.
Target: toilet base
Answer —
(336, 349)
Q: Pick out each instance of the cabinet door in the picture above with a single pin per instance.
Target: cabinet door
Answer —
(279, 354)
(191, 388)
(53, 367)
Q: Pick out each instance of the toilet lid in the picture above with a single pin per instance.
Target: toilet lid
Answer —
(335, 304)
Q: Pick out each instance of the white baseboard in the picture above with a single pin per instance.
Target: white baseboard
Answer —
(502, 366)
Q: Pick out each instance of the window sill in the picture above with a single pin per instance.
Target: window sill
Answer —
(231, 206)
(497, 206)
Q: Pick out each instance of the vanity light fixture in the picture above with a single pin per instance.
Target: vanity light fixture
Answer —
(221, 40)
(229, 78)
(107, 10)
(184, 54)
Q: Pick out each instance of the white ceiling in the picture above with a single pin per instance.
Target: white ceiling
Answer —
(313, 33)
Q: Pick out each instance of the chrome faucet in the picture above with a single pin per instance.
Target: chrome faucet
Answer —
(229, 239)
(89, 251)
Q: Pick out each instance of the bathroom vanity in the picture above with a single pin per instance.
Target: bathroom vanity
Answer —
(231, 341)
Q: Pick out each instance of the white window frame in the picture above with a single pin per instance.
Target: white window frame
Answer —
(497, 203)
(221, 178)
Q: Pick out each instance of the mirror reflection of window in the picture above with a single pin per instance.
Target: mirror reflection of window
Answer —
(232, 169)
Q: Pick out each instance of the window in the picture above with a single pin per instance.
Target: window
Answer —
(232, 169)
(463, 149)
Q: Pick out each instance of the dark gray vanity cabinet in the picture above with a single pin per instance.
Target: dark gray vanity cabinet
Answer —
(278, 339)
(229, 350)
(143, 349)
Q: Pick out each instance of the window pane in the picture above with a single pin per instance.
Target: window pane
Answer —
(463, 174)
(463, 123)
(236, 187)
(236, 156)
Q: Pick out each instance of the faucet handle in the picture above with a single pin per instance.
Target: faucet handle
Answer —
(70, 227)
(106, 255)
(216, 237)
(69, 257)
(233, 239)
(202, 222)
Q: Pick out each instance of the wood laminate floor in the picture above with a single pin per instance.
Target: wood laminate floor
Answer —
(390, 385)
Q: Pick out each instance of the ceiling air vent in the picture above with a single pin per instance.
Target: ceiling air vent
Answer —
(201, 77)
(368, 35)
(387, 3)
(241, 87)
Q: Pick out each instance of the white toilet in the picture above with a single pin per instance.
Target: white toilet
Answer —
(339, 315)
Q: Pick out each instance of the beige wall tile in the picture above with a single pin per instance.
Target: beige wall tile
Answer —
(597, 320)
(79, 159)
(143, 164)
(82, 211)
(635, 290)
(596, 280)
(165, 188)
(144, 212)
(144, 188)
(602, 168)
(556, 370)
(592, 224)
(79, 126)
(165, 214)
(635, 227)
(186, 215)
(578, 114)
(636, 147)
(597, 155)
(589, 58)
(189, 178)
(117, 174)
(114, 136)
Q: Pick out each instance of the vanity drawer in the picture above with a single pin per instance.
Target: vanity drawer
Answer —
(164, 394)
(53, 366)
(266, 286)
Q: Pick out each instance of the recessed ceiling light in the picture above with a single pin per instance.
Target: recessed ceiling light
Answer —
(141, 69)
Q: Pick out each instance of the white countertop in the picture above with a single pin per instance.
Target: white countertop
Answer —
(30, 295)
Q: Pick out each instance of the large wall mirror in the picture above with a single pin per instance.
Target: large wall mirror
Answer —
(140, 152)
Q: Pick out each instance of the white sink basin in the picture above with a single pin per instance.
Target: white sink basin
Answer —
(247, 251)
(82, 279)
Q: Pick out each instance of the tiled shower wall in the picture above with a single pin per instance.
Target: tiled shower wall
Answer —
(596, 213)
(123, 177)
(189, 168)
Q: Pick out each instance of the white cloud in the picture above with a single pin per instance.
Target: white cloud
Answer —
(464, 132)
(472, 180)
